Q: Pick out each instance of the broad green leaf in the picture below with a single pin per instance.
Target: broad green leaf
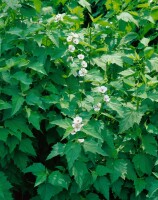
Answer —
(129, 38)
(27, 147)
(17, 126)
(113, 59)
(47, 191)
(118, 168)
(4, 105)
(72, 152)
(149, 144)
(56, 178)
(91, 130)
(154, 12)
(63, 123)
(85, 4)
(140, 185)
(127, 17)
(3, 134)
(102, 186)
(92, 196)
(12, 142)
(79, 170)
(93, 147)
(54, 37)
(101, 170)
(20, 160)
(38, 67)
(153, 188)
(130, 118)
(127, 72)
(17, 102)
(145, 168)
(22, 77)
(39, 171)
(5, 187)
(35, 119)
(153, 64)
(57, 149)
(37, 4)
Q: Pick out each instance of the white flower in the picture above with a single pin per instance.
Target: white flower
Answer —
(75, 41)
(81, 140)
(69, 38)
(82, 72)
(58, 17)
(106, 98)
(71, 48)
(77, 120)
(102, 89)
(47, 10)
(97, 107)
(80, 56)
(77, 127)
(75, 35)
(84, 64)
(73, 132)
(70, 59)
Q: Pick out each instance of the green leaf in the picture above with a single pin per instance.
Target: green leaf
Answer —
(118, 168)
(47, 191)
(37, 5)
(125, 16)
(54, 37)
(130, 118)
(129, 38)
(102, 186)
(58, 149)
(35, 119)
(17, 102)
(149, 144)
(12, 142)
(127, 72)
(63, 123)
(101, 170)
(72, 152)
(93, 147)
(85, 4)
(153, 64)
(153, 188)
(91, 130)
(4, 105)
(79, 171)
(140, 185)
(92, 196)
(113, 58)
(27, 147)
(22, 77)
(5, 187)
(145, 168)
(3, 134)
(20, 160)
(56, 178)
(39, 171)
(38, 67)
(18, 126)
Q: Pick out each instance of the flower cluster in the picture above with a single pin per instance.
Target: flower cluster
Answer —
(73, 39)
(82, 71)
(77, 124)
(103, 89)
(106, 98)
(58, 17)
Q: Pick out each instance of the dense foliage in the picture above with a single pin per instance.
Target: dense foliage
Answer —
(79, 99)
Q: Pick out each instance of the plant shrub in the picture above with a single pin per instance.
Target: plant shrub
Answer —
(79, 100)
